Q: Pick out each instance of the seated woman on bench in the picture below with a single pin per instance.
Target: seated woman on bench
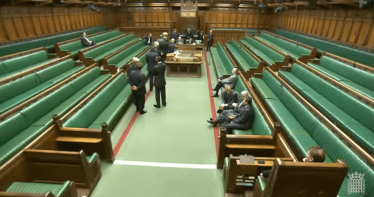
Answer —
(86, 42)
(241, 117)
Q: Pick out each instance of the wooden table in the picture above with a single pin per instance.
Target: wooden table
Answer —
(185, 64)
(189, 46)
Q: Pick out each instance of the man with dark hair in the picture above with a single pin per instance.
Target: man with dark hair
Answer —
(137, 82)
(172, 46)
(241, 117)
(174, 34)
(150, 58)
(86, 42)
(210, 39)
(160, 82)
(315, 154)
(148, 40)
(229, 97)
(159, 40)
(227, 81)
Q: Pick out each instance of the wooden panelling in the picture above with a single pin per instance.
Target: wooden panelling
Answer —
(350, 27)
(22, 23)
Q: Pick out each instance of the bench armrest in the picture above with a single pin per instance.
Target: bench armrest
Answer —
(315, 61)
(258, 75)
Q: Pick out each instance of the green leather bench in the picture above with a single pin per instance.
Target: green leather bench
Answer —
(268, 55)
(346, 111)
(246, 61)
(259, 126)
(74, 47)
(22, 89)
(47, 42)
(59, 190)
(99, 53)
(23, 127)
(107, 106)
(354, 54)
(359, 80)
(122, 58)
(305, 129)
(294, 50)
(143, 60)
(221, 61)
(22, 63)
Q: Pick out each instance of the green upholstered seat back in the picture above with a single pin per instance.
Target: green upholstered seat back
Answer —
(85, 79)
(349, 104)
(17, 87)
(84, 117)
(106, 36)
(225, 58)
(58, 190)
(55, 70)
(275, 56)
(143, 60)
(11, 127)
(354, 54)
(21, 62)
(125, 54)
(248, 57)
(109, 46)
(358, 76)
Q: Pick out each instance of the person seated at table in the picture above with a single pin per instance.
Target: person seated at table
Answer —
(201, 36)
(189, 34)
(190, 41)
(86, 42)
(179, 41)
(241, 117)
(230, 97)
(230, 81)
(315, 154)
(171, 45)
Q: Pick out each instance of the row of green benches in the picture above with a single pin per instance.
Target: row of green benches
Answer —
(74, 47)
(357, 55)
(27, 124)
(221, 61)
(22, 89)
(23, 63)
(107, 106)
(306, 130)
(271, 57)
(48, 42)
(353, 77)
(246, 60)
(345, 110)
(294, 50)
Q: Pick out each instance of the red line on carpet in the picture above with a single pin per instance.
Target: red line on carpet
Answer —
(128, 129)
(212, 103)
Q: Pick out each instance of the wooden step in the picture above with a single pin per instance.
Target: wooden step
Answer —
(249, 146)
(79, 139)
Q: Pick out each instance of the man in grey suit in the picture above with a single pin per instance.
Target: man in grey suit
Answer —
(229, 81)
(241, 117)
(230, 97)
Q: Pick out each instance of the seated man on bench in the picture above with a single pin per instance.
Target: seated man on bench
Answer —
(230, 97)
(86, 42)
(229, 81)
(241, 117)
(315, 154)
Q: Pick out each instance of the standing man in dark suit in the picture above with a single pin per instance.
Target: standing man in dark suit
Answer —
(150, 57)
(137, 82)
(229, 97)
(164, 47)
(86, 42)
(148, 40)
(160, 39)
(160, 82)
(171, 46)
(210, 39)
(174, 34)
(132, 66)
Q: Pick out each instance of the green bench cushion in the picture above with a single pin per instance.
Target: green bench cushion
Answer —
(259, 53)
(92, 158)
(251, 61)
(39, 188)
(262, 182)
(354, 54)
(242, 132)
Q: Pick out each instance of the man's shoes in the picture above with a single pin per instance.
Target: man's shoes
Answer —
(216, 95)
(156, 106)
(164, 104)
(151, 90)
(210, 121)
(143, 112)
